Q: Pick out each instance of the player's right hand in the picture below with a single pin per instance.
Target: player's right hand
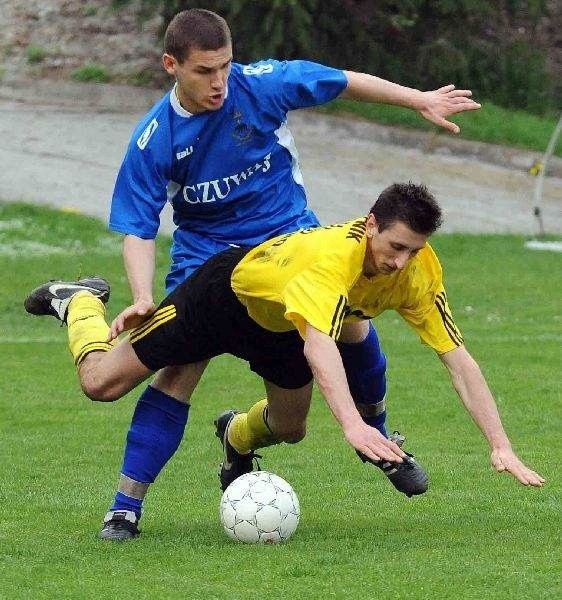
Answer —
(372, 443)
(131, 317)
(504, 459)
(437, 105)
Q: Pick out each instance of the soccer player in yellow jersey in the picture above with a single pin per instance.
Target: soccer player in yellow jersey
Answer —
(283, 306)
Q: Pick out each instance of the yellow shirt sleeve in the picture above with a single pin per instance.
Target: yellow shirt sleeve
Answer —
(425, 305)
(318, 295)
(432, 319)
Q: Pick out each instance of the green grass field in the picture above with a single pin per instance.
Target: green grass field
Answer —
(475, 534)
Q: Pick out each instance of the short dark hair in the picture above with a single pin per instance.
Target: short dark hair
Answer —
(195, 28)
(409, 203)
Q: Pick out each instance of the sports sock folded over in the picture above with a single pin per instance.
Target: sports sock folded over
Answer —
(87, 329)
(249, 431)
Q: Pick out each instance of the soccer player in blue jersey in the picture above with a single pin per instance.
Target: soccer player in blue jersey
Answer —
(217, 147)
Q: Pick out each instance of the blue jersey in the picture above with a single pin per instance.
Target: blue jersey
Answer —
(231, 175)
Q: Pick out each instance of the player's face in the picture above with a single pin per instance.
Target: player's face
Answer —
(391, 249)
(201, 78)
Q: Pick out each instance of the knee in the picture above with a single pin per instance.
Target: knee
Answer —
(354, 332)
(95, 383)
(179, 381)
(99, 391)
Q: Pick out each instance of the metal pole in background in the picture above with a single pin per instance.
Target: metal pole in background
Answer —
(541, 167)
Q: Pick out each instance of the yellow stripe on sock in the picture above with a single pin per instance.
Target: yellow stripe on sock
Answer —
(92, 347)
(159, 318)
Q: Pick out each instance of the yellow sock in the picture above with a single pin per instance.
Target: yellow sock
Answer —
(249, 431)
(87, 329)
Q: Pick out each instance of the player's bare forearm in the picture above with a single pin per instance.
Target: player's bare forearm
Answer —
(139, 257)
(475, 394)
(325, 361)
(473, 390)
(433, 105)
(369, 88)
(326, 364)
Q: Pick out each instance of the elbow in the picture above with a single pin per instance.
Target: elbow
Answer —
(307, 347)
(466, 376)
(309, 351)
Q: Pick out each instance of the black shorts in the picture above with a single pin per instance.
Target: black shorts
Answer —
(203, 318)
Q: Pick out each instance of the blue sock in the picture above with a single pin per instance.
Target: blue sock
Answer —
(155, 434)
(124, 502)
(365, 367)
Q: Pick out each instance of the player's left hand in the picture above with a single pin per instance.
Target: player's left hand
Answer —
(504, 459)
(436, 105)
(131, 317)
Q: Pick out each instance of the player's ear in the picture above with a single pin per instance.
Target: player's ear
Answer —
(169, 63)
(371, 224)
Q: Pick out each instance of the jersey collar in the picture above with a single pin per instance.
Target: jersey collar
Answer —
(178, 108)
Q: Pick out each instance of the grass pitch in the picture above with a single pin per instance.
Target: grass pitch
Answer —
(474, 534)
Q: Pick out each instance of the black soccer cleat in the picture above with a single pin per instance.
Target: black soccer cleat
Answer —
(408, 477)
(233, 464)
(53, 297)
(120, 525)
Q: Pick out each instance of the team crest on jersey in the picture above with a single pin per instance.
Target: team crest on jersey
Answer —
(147, 134)
(242, 131)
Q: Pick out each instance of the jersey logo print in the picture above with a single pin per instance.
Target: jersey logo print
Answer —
(219, 189)
(257, 69)
(147, 134)
(442, 307)
(337, 319)
(184, 153)
(242, 131)
(357, 231)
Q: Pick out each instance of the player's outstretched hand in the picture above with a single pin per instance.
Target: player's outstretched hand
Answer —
(130, 318)
(504, 459)
(437, 105)
(372, 443)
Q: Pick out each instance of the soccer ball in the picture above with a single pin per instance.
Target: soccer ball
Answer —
(259, 507)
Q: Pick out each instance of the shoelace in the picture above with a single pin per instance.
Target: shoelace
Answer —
(255, 459)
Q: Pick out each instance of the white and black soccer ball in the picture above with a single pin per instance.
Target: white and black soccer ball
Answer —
(259, 507)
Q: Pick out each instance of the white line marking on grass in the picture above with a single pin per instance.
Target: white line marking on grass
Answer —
(32, 340)
(23, 248)
(536, 245)
(11, 224)
(542, 337)
(27, 248)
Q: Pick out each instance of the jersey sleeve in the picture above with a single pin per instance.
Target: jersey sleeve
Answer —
(141, 188)
(432, 319)
(310, 84)
(317, 295)
(296, 83)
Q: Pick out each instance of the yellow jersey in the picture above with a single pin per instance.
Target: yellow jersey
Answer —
(316, 276)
